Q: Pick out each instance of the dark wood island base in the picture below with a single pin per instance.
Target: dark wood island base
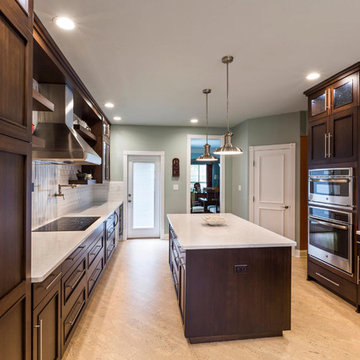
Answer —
(232, 293)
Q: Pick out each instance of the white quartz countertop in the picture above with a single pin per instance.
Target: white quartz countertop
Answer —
(193, 233)
(50, 249)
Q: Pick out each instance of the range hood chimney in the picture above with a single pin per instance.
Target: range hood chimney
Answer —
(62, 142)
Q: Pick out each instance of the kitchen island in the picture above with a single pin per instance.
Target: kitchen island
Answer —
(231, 281)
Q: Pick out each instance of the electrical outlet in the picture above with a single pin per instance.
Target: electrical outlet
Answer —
(239, 187)
(175, 187)
(240, 268)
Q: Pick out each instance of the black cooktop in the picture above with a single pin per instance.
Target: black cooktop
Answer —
(69, 224)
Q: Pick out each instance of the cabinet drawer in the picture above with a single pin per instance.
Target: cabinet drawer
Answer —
(73, 258)
(40, 290)
(95, 250)
(73, 279)
(110, 225)
(337, 284)
(74, 315)
(110, 246)
(95, 275)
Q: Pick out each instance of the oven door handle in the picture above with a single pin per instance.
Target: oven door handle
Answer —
(336, 226)
(339, 181)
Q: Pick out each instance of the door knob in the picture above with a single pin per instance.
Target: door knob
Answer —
(285, 207)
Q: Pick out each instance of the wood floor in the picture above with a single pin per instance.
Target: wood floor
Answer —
(134, 315)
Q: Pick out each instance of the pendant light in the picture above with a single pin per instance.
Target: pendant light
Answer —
(207, 157)
(228, 148)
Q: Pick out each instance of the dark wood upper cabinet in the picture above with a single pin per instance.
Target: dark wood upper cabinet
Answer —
(344, 93)
(317, 132)
(318, 104)
(16, 55)
(333, 119)
(342, 136)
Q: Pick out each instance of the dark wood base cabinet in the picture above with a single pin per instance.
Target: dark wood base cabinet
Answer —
(60, 300)
(227, 294)
(328, 278)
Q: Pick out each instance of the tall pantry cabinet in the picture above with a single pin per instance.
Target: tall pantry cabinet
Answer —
(16, 49)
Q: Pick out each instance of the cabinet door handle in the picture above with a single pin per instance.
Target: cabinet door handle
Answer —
(329, 144)
(40, 327)
(117, 219)
(358, 270)
(325, 142)
(56, 277)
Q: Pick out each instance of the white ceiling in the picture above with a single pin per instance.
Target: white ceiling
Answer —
(153, 58)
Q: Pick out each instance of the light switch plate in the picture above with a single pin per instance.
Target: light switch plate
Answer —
(176, 187)
(239, 187)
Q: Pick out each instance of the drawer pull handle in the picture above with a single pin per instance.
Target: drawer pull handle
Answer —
(74, 257)
(51, 284)
(95, 252)
(327, 279)
(77, 280)
(72, 322)
(97, 272)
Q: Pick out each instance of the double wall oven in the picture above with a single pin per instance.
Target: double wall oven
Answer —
(330, 222)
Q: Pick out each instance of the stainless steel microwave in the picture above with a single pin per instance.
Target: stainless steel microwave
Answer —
(331, 187)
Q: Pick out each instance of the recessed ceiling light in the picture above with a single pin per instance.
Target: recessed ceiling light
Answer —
(64, 23)
(194, 121)
(117, 118)
(312, 76)
(109, 105)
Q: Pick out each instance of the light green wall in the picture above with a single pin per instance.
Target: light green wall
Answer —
(172, 140)
(270, 130)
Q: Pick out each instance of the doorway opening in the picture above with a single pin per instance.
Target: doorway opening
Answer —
(144, 186)
(205, 180)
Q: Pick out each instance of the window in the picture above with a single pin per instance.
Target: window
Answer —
(198, 174)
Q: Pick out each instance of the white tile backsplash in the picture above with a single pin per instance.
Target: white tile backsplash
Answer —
(46, 206)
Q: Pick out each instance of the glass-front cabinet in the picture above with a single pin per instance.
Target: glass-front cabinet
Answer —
(344, 93)
(341, 95)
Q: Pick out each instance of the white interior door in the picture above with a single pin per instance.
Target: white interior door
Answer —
(272, 192)
(143, 197)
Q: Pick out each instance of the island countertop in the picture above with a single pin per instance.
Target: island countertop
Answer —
(50, 249)
(193, 233)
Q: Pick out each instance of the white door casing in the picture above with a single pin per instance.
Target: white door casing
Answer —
(272, 188)
(147, 228)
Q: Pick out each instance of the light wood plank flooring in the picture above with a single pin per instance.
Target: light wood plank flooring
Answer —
(134, 315)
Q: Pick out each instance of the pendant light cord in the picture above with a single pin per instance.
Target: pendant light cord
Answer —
(227, 97)
(207, 119)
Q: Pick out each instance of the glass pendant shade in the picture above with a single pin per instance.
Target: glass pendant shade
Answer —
(207, 156)
(228, 148)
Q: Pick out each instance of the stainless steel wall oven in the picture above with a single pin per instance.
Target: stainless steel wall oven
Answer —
(330, 236)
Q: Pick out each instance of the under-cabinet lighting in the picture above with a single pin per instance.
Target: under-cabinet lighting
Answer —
(109, 105)
(117, 118)
(64, 23)
(194, 121)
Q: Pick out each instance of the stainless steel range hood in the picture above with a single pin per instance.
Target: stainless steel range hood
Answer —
(62, 142)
